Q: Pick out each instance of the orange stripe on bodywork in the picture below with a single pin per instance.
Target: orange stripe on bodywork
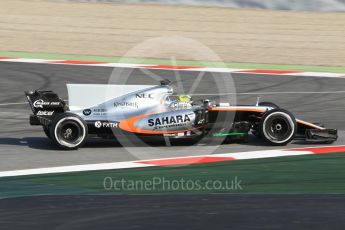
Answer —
(259, 110)
(309, 124)
(129, 126)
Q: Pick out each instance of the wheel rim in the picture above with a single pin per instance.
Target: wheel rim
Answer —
(278, 127)
(69, 132)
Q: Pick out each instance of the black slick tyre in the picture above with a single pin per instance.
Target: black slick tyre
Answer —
(269, 104)
(46, 131)
(278, 127)
(68, 131)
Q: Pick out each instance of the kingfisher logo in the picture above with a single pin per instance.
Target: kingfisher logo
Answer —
(169, 120)
(126, 104)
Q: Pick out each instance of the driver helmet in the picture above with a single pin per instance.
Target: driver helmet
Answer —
(185, 98)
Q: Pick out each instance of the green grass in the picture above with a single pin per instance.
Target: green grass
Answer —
(333, 69)
(309, 174)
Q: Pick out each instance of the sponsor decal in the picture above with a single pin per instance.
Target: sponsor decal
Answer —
(99, 112)
(45, 113)
(170, 135)
(40, 103)
(87, 112)
(180, 105)
(100, 124)
(201, 121)
(126, 104)
(169, 121)
(144, 95)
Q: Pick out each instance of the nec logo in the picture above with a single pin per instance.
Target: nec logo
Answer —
(144, 95)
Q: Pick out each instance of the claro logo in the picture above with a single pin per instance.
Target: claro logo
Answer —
(169, 120)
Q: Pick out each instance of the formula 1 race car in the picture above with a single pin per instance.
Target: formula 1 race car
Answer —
(153, 111)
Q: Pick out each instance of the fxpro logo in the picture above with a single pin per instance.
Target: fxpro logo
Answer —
(169, 120)
(100, 124)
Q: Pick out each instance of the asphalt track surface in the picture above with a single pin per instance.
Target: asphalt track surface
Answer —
(172, 212)
(23, 146)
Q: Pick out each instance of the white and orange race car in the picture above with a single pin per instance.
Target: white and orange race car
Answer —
(111, 111)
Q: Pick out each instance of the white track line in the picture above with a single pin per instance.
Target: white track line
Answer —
(268, 93)
(73, 168)
(157, 162)
(318, 74)
(19, 103)
(29, 60)
(155, 66)
(264, 154)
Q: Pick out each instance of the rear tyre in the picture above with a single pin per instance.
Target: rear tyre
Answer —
(46, 131)
(278, 127)
(68, 131)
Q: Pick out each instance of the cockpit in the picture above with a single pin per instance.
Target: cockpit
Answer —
(177, 102)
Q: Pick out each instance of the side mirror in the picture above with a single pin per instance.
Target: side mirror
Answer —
(165, 82)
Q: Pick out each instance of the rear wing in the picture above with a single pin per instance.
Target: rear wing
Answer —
(45, 103)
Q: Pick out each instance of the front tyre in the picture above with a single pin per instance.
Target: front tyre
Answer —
(278, 127)
(269, 104)
(68, 131)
